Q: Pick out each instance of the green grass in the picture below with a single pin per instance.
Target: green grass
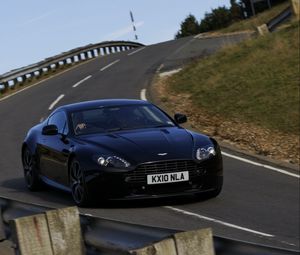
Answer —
(259, 19)
(256, 81)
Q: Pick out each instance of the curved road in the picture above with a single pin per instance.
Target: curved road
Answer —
(257, 204)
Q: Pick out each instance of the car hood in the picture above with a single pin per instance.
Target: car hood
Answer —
(145, 145)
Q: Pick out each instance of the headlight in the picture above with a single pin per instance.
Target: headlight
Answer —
(112, 161)
(205, 153)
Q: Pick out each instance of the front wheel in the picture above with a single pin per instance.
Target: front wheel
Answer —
(77, 183)
(32, 179)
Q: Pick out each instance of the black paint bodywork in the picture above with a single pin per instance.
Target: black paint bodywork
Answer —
(140, 147)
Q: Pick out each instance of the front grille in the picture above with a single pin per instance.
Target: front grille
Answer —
(139, 175)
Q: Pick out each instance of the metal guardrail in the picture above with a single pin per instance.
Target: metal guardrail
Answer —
(21, 75)
(280, 18)
(104, 236)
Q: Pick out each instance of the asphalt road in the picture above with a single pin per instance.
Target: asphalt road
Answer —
(257, 204)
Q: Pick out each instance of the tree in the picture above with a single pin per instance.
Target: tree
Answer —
(217, 19)
(189, 26)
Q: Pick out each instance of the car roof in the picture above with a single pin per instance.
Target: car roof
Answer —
(100, 103)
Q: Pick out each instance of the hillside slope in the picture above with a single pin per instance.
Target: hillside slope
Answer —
(247, 94)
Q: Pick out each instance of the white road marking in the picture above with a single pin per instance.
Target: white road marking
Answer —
(138, 50)
(143, 97)
(42, 81)
(109, 65)
(291, 244)
(81, 81)
(159, 68)
(88, 214)
(218, 221)
(169, 73)
(143, 94)
(261, 165)
(56, 101)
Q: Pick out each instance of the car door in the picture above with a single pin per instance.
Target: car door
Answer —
(54, 150)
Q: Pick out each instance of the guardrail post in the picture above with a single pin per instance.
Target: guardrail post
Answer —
(263, 29)
(24, 79)
(66, 62)
(5, 87)
(38, 73)
(93, 54)
(296, 7)
(15, 83)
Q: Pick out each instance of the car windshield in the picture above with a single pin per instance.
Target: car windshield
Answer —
(110, 119)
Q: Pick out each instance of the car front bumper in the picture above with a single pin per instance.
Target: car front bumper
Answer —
(123, 185)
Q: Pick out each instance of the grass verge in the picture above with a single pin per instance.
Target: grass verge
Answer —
(247, 94)
(256, 81)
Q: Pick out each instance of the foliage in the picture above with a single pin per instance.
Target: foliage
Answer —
(218, 18)
(189, 26)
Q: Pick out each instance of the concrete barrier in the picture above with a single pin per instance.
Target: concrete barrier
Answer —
(263, 29)
(296, 7)
(56, 232)
(109, 237)
(182, 243)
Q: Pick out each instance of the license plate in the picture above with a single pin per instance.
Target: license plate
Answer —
(168, 177)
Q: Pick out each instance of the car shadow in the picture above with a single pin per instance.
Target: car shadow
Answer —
(61, 198)
(153, 202)
(46, 195)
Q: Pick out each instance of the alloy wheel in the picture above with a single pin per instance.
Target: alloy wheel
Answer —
(77, 183)
(28, 164)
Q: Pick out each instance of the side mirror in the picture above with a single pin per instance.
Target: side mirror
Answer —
(50, 130)
(180, 118)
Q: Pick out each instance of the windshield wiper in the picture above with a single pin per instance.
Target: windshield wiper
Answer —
(114, 129)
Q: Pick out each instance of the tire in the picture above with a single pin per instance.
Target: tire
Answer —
(30, 168)
(77, 184)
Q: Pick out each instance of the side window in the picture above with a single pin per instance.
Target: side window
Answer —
(59, 119)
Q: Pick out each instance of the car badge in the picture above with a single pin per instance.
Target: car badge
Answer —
(162, 154)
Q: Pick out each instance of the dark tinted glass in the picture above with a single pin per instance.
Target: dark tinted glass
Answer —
(110, 119)
(59, 119)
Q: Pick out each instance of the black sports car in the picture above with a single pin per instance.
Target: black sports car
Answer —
(120, 149)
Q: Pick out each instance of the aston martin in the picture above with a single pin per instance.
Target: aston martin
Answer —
(120, 149)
